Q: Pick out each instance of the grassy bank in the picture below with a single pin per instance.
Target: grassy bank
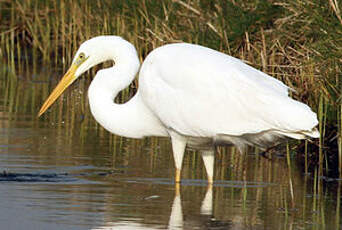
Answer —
(298, 42)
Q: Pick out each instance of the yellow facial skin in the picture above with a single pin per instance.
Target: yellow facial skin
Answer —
(68, 78)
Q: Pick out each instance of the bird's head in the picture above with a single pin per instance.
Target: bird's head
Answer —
(90, 53)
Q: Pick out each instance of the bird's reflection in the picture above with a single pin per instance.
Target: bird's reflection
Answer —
(207, 203)
(176, 216)
(205, 219)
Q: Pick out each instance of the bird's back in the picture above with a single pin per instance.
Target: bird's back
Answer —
(187, 59)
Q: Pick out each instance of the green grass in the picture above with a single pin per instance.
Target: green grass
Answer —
(298, 42)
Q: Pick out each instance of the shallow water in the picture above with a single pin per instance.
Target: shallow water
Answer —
(62, 171)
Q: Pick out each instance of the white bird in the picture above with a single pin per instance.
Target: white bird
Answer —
(198, 96)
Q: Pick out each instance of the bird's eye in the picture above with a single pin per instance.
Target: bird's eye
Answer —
(81, 56)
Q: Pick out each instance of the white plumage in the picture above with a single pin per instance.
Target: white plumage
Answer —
(198, 96)
(198, 91)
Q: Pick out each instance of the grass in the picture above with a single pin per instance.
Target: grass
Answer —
(298, 42)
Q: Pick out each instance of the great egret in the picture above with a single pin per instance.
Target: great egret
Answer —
(199, 97)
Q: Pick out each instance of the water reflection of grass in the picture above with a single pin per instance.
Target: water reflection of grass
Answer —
(295, 42)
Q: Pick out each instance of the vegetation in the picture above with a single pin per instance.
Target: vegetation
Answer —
(298, 42)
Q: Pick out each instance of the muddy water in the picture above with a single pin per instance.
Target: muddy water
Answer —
(64, 172)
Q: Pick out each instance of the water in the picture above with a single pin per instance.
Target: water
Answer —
(64, 172)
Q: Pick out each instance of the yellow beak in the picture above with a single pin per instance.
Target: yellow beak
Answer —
(68, 78)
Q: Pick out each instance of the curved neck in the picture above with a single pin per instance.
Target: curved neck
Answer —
(132, 119)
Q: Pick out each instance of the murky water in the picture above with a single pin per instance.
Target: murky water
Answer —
(65, 172)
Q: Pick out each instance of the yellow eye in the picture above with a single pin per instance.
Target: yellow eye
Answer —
(81, 56)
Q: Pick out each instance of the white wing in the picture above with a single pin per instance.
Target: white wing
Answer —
(198, 91)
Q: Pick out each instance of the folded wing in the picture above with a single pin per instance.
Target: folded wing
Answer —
(198, 91)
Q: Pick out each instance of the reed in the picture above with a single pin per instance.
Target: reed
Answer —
(296, 42)
(340, 142)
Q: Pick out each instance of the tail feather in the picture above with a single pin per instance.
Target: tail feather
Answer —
(265, 139)
(314, 133)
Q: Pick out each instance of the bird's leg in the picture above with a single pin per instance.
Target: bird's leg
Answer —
(178, 147)
(208, 157)
(178, 174)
